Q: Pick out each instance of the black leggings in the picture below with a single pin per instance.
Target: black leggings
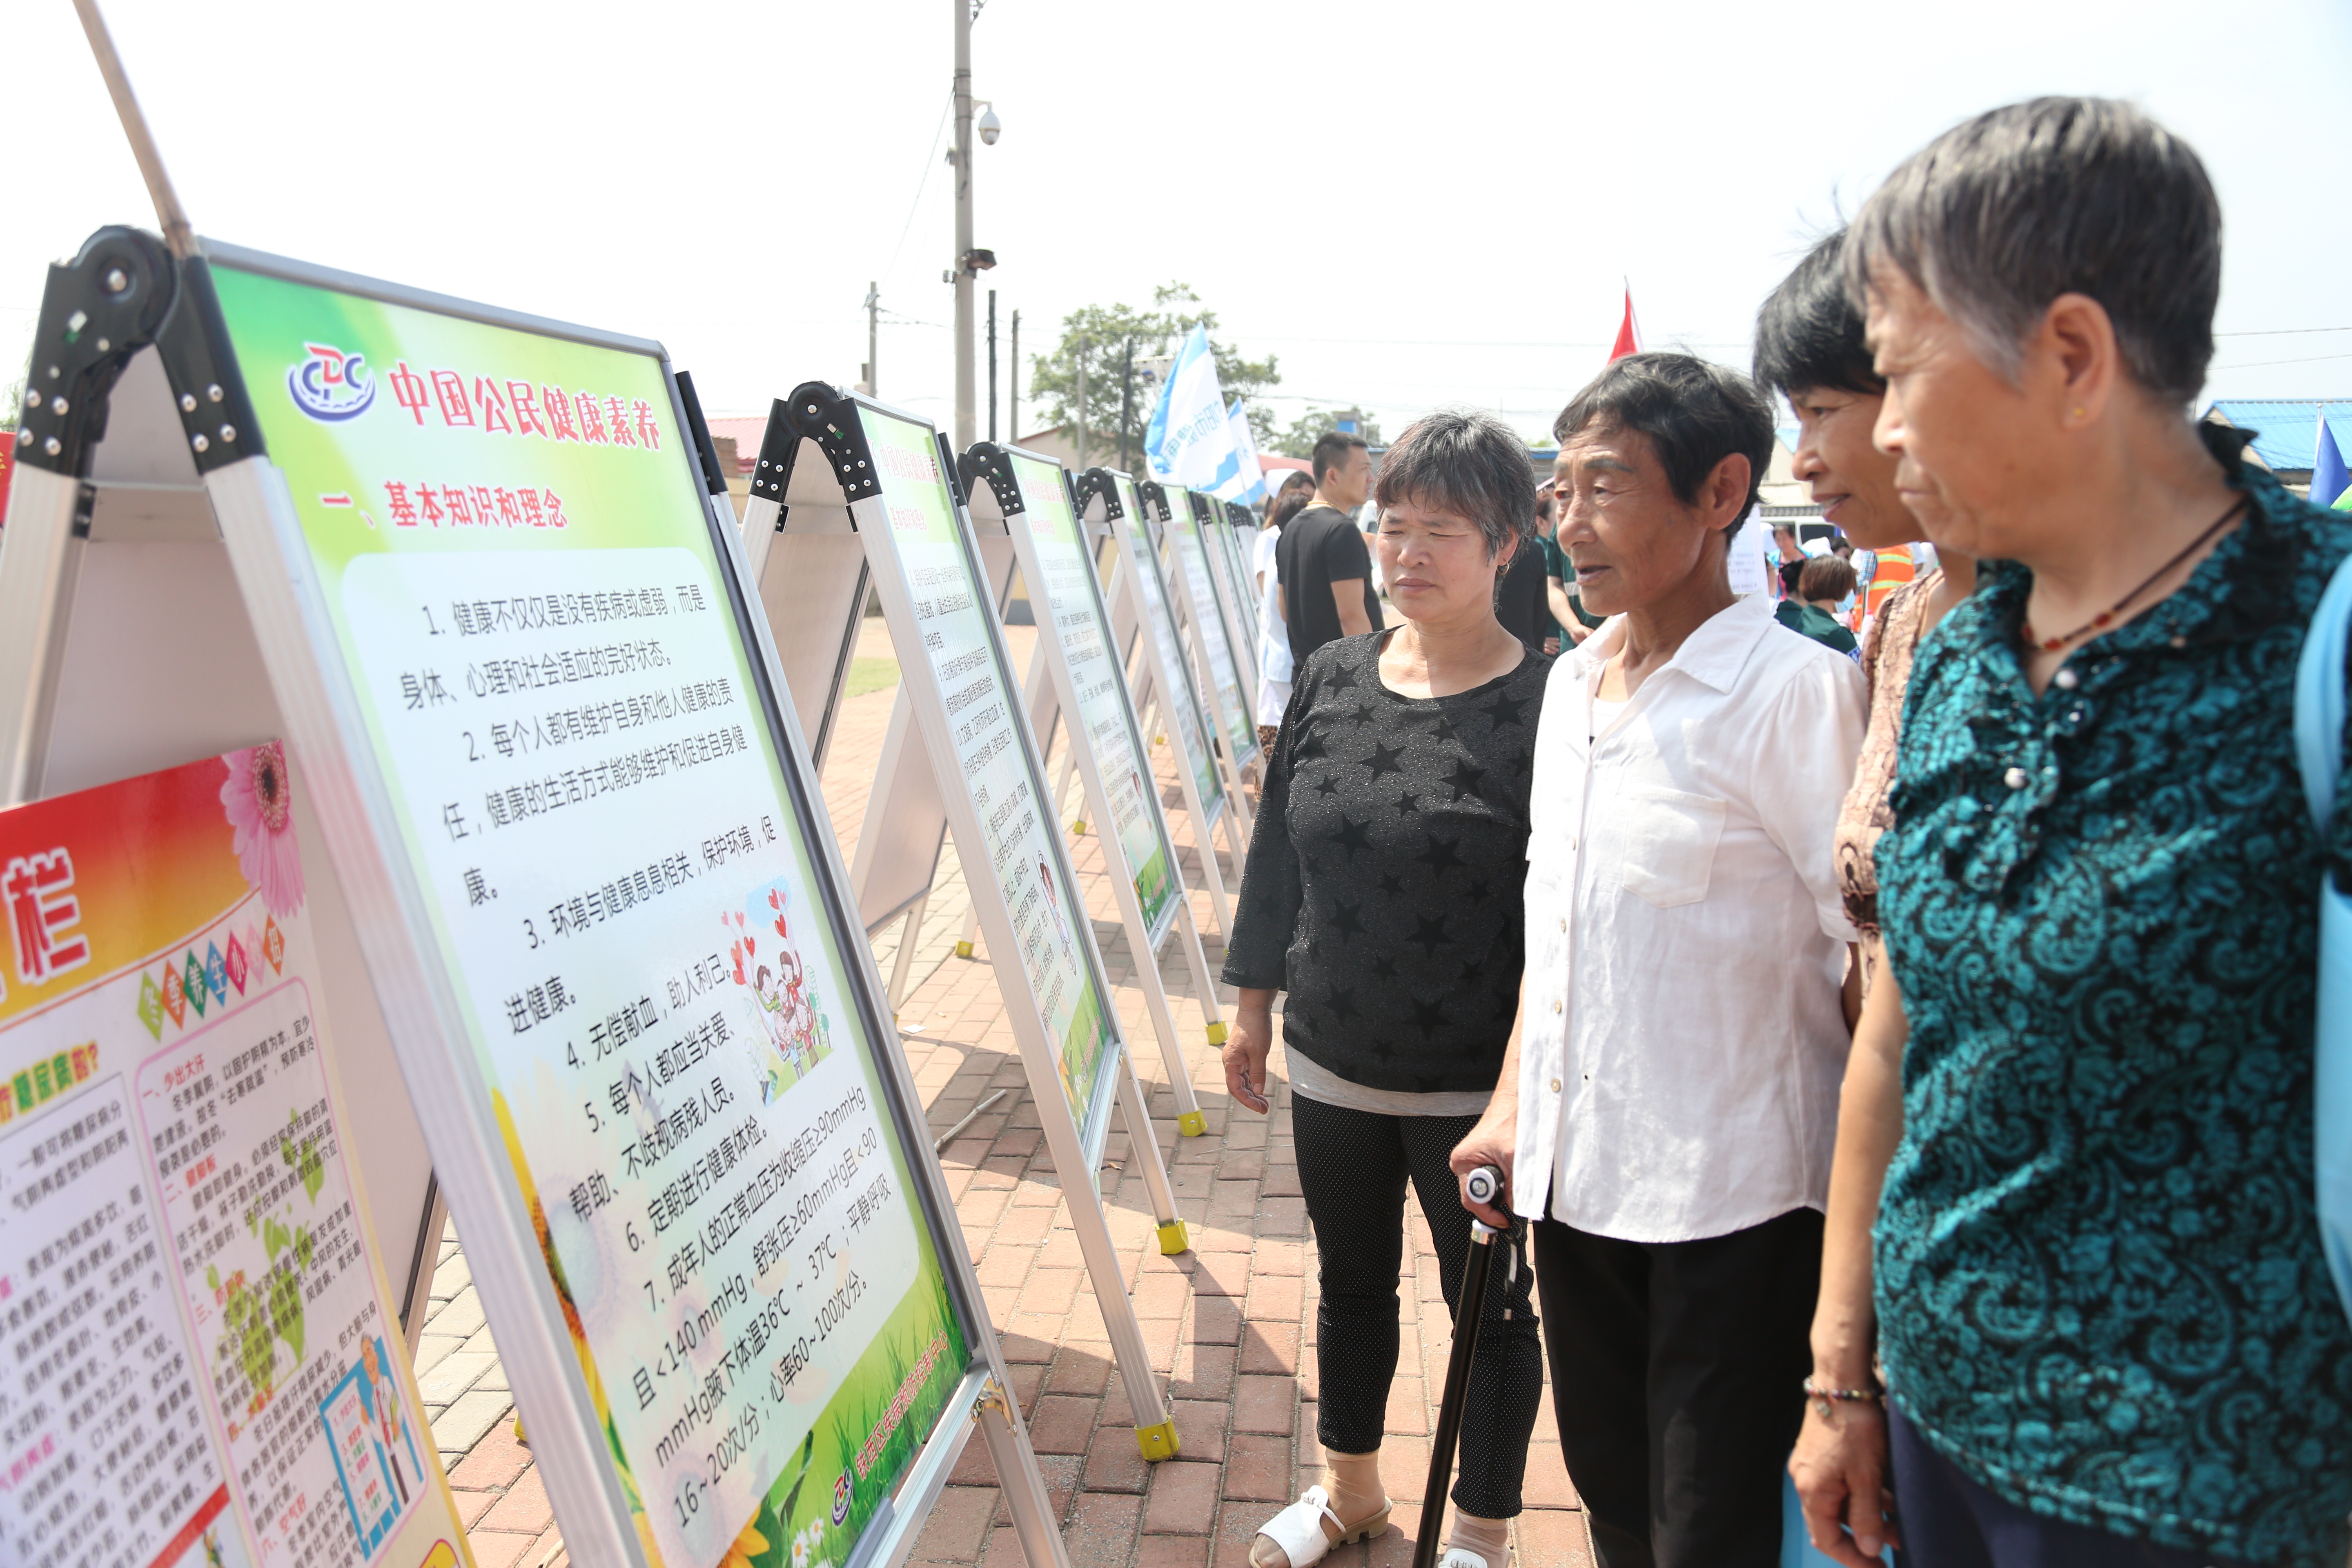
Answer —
(1354, 1166)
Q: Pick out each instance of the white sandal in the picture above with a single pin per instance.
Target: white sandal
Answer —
(1461, 1557)
(1299, 1528)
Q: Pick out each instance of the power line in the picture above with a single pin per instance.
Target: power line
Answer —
(2259, 364)
(921, 186)
(2283, 331)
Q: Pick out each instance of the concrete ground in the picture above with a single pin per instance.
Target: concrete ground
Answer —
(1231, 1323)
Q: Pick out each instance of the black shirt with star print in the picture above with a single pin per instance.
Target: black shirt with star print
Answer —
(1383, 886)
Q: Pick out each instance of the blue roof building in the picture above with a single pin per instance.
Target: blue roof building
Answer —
(2286, 429)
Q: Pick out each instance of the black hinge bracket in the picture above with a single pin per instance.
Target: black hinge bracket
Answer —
(823, 415)
(778, 446)
(1149, 492)
(97, 311)
(1097, 482)
(987, 461)
(208, 391)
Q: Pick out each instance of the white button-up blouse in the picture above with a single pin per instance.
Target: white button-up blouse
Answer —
(1681, 1040)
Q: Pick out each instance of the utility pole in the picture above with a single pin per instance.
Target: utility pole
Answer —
(1126, 402)
(1012, 386)
(1082, 403)
(963, 272)
(992, 364)
(872, 335)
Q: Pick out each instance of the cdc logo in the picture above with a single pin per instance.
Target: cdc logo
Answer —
(330, 384)
(841, 1493)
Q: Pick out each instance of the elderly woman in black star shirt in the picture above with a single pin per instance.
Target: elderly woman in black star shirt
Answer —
(1383, 892)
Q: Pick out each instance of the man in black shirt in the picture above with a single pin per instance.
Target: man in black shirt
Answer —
(1325, 570)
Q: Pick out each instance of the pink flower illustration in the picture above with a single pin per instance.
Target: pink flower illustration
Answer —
(260, 799)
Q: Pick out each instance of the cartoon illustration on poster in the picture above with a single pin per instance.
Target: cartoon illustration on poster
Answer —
(780, 1001)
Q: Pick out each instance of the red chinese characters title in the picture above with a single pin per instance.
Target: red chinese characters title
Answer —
(37, 890)
(507, 408)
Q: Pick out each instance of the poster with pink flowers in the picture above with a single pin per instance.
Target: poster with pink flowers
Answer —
(185, 1270)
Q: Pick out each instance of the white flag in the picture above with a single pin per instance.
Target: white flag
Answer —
(1189, 441)
(1250, 484)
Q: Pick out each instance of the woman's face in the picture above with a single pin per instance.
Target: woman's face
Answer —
(1964, 440)
(1435, 564)
(1852, 481)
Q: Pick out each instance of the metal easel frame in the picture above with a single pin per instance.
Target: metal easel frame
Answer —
(1138, 594)
(995, 488)
(831, 438)
(174, 305)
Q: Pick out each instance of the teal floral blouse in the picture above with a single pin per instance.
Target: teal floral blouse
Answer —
(2100, 1288)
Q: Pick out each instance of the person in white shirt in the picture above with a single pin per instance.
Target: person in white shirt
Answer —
(1274, 659)
(1669, 1107)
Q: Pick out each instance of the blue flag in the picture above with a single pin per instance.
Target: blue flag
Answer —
(2330, 478)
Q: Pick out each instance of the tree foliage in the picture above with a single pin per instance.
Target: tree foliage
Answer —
(1311, 427)
(1106, 333)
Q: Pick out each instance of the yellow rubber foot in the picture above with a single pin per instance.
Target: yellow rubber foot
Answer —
(1079, 827)
(1159, 1442)
(1216, 1034)
(519, 1436)
(1192, 1124)
(1174, 1241)
(964, 949)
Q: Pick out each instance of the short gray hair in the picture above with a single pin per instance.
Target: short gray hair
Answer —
(1998, 216)
(1471, 464)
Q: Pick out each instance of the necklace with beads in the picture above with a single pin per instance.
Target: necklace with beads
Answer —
(2106, 617)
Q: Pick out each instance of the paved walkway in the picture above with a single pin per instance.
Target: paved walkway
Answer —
(1231, 1323)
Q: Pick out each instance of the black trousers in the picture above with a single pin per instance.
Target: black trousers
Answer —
(1676, 1369)
(1353, 1166)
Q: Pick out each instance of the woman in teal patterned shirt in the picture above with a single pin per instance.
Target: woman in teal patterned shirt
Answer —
(2107, 1332)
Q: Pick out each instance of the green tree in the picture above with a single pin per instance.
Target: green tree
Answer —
(1106, 333)
(1311, 427)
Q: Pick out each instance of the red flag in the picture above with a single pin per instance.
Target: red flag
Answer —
(1626, 342)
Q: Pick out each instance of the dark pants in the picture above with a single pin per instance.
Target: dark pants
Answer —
(1676, 1369)
(1950, 1521)
(1353, 1166)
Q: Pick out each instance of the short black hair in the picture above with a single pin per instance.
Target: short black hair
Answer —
(1998, 216)
(1332, 449)
(1467, 463)
(1808, 334)
(1695, 415)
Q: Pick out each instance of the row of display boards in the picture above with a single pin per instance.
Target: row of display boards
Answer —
(410, 772)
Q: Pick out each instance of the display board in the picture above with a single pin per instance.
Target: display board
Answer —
(1033, 496)
(204, 1360)
(608, 923)
(1224, 583)
(1236, 529)
(125, 648)
(1203, 625)
(894, 475)
(1165, 682)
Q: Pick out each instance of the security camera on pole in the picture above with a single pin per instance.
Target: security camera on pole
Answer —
(969, 262)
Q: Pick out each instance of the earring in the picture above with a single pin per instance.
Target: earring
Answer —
(2078, 414)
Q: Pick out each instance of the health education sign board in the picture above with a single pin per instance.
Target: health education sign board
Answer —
(204, 1366)
(1179, 703)
(1187, 554)
(507, 532)
(926, 548)
(1080, 628)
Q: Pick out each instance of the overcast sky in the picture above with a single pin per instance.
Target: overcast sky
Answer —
(1410, 205)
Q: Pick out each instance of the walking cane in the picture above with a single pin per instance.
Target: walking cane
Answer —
(1484, 1185)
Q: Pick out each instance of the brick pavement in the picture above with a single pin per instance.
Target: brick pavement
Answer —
(1231, 1324)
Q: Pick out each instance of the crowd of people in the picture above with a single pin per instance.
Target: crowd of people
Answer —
(1899, 1049)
